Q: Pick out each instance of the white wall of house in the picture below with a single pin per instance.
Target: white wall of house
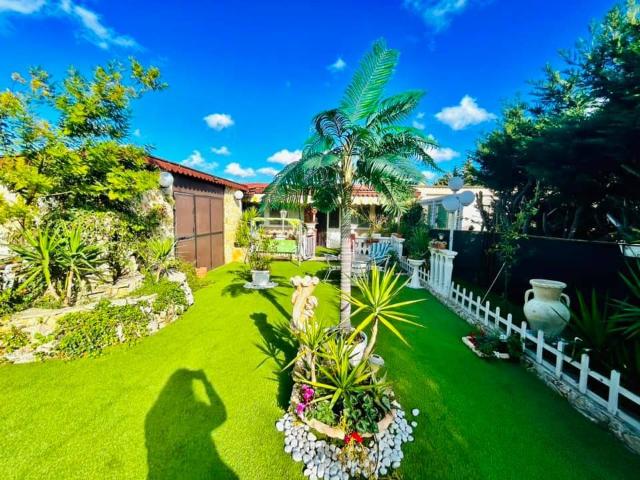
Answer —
(469, 217)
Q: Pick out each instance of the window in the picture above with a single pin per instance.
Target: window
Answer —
(334, 219)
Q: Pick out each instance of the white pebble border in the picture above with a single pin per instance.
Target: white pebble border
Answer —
(320, 458)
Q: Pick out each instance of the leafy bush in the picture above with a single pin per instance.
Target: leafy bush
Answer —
(363, 410)
(243, 231)
(260, 254)
(418, 244)
(13, 339)
(323, 412)
(88, 333)
(167, 294)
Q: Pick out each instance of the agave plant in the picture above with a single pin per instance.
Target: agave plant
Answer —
(79, 259)
(361, 142)
(379, 306)
(160, 255)
(39, 254)
(628, 310)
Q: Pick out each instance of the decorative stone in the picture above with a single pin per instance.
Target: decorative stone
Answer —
(415, 412)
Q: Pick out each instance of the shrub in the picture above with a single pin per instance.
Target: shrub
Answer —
(13, 339)
(88, 333)
(195, 283)
(167, 294)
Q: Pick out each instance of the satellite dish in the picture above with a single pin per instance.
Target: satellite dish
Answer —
(450, 203)
(456, 183)
(466, 197)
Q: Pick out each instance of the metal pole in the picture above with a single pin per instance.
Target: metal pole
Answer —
(452, 226)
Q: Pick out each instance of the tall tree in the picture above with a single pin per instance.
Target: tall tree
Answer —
(361, 142)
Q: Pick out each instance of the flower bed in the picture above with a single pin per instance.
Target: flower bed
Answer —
(343, 420)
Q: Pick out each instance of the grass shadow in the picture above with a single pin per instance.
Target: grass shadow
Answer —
(178, 430)
(279, 345)
(243, 275)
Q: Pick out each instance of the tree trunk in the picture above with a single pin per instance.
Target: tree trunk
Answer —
(69, 289)
(346, 255)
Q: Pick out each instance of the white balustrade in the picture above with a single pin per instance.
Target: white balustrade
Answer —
(441, 267)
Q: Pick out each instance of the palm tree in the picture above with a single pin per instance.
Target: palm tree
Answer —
(358, 143)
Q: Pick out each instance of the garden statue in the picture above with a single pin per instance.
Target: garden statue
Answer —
(303, 301)
(548, 310)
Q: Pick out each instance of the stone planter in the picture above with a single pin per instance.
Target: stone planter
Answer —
(548, 310)
(415, 275)
(260, 278)
(376, 362)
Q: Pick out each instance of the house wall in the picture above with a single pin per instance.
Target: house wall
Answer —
(232, 214)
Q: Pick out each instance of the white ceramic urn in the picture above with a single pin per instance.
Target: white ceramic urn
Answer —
(548, 310)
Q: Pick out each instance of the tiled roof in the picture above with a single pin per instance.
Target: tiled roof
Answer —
(190, 172)
(256, 188)
(358, 190)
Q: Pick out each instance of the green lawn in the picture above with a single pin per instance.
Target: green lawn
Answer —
(200, 398)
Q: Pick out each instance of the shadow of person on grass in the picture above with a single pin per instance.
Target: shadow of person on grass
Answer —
(178, 430)
(278, 345)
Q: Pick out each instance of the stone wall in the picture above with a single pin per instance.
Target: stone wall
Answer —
(232, 214)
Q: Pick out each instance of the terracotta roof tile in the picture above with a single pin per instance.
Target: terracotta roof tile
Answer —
(193, 173)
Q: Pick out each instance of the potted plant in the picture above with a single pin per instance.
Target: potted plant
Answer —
(418, 245)
(259, 259)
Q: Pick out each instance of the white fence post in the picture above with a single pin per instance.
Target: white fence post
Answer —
(539, 346)
(478, 305)
(509, 324)
(497, 318)
(559, 359)
(584, 373)
(614, 389)
(487, 309)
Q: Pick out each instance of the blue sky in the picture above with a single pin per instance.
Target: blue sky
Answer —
(245, 77)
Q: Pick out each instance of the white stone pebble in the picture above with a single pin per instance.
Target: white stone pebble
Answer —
(415, 412)
(320, 458)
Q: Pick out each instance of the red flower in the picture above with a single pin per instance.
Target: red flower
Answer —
(354, 436)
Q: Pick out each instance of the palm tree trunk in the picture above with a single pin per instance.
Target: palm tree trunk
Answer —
(346, 256)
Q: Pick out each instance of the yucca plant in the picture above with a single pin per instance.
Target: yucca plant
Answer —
(312, 338)
(160, 255)
(379, 305)
(337, 375)
(39, 254)
(79, 259)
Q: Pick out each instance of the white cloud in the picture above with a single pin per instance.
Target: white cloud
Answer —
(223, 150)
(219, 121)
(93, 29)
(285, 157)
(443, 154)
(338, 65)
(418, 125)
(268, 171)
(466, 113)
(197, 161)
(420, 115)
(235, 169)
(437, 13)
(429, 175)
(25, 7)
(136, 133)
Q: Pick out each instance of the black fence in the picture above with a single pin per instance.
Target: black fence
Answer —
(582, 265)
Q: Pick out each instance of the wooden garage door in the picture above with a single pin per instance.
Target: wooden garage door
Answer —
(199, 229)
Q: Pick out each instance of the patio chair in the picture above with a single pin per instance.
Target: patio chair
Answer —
(333, 265)
(381, 263)
(379, 251)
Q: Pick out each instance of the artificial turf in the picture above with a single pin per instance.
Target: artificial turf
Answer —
(200, 398)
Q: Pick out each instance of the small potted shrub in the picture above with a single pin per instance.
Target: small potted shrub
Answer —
(259, 260)
(418, 248)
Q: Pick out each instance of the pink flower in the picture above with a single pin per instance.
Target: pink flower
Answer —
(300, 408)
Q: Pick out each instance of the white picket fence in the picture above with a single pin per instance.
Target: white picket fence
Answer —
(585, 380)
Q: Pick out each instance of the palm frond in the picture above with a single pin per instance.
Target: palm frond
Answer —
(368, 82)
(395, 108)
